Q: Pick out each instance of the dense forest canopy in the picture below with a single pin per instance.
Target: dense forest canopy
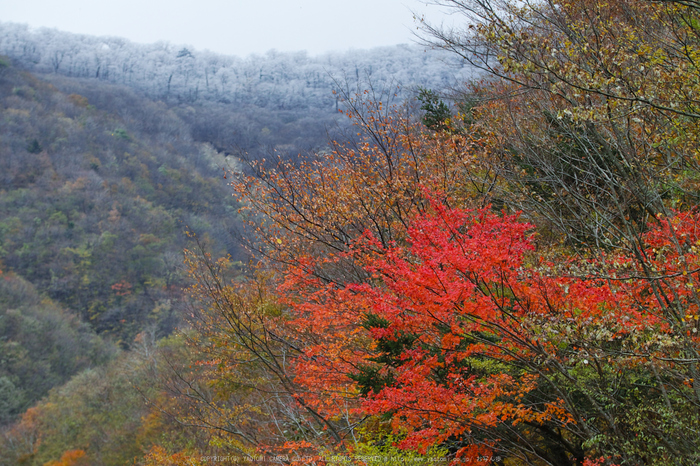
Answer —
(291, 81)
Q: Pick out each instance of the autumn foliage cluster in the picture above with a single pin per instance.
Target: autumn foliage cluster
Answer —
(515, 282)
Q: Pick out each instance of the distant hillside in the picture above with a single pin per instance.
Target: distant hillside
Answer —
(280, 81)
(95, 196)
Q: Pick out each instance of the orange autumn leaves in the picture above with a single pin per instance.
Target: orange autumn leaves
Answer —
(324, 201)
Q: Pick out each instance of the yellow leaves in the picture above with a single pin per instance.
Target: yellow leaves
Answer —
(604, 50)
(70, 458)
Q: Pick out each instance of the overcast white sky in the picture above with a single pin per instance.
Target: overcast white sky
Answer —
(236, 27)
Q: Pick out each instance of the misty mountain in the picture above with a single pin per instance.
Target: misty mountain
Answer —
(179, 73)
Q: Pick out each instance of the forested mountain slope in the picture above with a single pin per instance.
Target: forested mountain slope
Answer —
(97, 187)
(95, 200)
(41, 346)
